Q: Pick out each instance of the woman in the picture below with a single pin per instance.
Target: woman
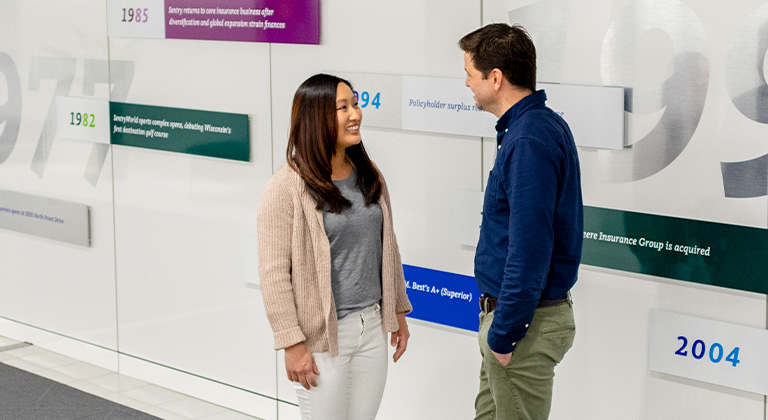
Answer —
(329, 264)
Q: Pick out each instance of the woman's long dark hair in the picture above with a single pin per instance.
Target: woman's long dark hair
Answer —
(312, 143)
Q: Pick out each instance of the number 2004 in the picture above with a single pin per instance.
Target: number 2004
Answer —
(716, 351)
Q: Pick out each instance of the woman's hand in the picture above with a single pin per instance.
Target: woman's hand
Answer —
(400, 337)
(300, 365)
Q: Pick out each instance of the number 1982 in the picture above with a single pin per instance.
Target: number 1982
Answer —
(716, 352)
(82, 119)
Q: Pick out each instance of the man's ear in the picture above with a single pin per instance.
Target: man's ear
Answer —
(497, 77)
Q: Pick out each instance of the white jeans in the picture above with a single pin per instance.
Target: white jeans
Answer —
(350, 385)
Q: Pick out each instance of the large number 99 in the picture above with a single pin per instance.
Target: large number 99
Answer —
(676, 102)
(747, 87)
(10, 111)
(670, 106)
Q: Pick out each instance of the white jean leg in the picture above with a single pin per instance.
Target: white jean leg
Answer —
(368, 370)
(350, 386)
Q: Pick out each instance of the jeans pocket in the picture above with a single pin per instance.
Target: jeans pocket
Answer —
(509, 363)
(560, 340)
(559, 332)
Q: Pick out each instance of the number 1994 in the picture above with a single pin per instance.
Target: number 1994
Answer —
(365, 98)
(716, 352)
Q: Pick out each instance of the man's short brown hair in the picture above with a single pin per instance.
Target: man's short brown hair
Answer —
(504, 47)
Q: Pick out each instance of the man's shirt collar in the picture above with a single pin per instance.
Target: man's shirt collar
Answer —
(530, 101)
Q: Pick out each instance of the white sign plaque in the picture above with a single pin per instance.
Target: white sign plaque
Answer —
(445, 105)
(378, 97)
(45, 217)
(441, 105)
(709, 351)
(83, 119)
(136, 18)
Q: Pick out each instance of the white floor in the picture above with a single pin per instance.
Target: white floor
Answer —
(121, 389)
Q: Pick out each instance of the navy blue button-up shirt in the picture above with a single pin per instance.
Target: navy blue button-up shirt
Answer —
(533, 227)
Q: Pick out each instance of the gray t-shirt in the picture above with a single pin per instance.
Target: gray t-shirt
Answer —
(355, 238)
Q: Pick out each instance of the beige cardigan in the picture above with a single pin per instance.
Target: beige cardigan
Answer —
(295, 267)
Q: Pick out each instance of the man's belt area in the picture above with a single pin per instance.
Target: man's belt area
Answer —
(488, 302)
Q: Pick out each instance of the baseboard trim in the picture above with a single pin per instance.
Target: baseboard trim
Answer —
(67, 346)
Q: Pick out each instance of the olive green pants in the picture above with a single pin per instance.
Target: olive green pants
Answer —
(522, 390)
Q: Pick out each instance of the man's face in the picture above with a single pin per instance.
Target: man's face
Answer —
(480, 86)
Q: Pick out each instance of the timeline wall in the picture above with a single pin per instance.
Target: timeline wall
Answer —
(168, 289)
(54, 286)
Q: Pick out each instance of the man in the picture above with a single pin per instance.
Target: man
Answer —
(530, 239)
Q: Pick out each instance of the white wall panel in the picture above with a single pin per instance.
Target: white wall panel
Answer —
(288, 412)
(437, 377)
(605, 375)
(183, 222)
(422, 173)
(51, 285)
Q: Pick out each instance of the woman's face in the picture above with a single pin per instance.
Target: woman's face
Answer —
(348, 118)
